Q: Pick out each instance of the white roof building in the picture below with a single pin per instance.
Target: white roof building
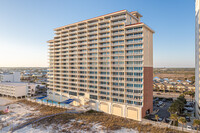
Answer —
(7, 77)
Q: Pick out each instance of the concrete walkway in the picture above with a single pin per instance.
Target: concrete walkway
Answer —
(165, 125)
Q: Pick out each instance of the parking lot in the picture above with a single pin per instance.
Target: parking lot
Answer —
(163, 113)
(161, 106)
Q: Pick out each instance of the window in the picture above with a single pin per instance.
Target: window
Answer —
(130, 85)
(93, 97)
(138, 85)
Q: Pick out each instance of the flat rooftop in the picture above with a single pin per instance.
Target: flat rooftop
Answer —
(14, 83)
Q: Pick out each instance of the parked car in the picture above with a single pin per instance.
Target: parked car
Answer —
(189, 109)
(189, 128)
(160, 119)
(167, 120)
(159, 104)
(153, 119)
(189, 104)
(164, 100)
(187, 118)
(156, 99)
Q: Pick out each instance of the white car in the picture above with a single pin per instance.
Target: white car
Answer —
(189, 128)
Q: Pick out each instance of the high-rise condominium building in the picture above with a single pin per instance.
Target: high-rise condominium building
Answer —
(197, 61)
(105, 62)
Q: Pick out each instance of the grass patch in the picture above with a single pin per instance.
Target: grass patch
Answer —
(2, 112)
(44, 109)
(109, 122)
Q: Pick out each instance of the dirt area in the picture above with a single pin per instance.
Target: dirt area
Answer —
(175, 73)
(91, 121)
(44, 109)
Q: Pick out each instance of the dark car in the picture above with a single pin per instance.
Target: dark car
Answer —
(153, 119)
(187, 118)
(167, 120)
(164, 100)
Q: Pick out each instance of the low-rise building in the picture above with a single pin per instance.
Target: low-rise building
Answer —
(10, 77)
(168, 86)
(15, 89)
(160, 86)
(181, 87)
(190, 87)
(185, 83)
(173, 82)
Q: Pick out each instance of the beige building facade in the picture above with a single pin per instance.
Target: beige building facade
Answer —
(15, 89)
(105, 62)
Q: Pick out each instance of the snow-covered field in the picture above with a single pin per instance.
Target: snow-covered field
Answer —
(21, 113)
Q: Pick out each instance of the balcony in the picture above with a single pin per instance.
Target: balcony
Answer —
(104, 26)
(66, 41)
(117, 28)
(118, 17)
(104, 45)
(92, 28)
(93, 23)
(70, 49)
(81, 35)
(103, 31)
(92, 33)
(82, 39)
(134, 36)
(105, 55)
(74, 36)
(75, 40)
(104, 40)
(73, 28)
(105, 35)
(117, 49)
(82, 26)
(93, 37)
(117, 23)
(119, 38)
(72, 32)
(82, 52)
(104, 50)
(104, 21)
(134, 30)
(118, 33)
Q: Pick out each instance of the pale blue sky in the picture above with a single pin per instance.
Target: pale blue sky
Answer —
(26, 25)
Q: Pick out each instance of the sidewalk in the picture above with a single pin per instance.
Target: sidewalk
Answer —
(165, 125)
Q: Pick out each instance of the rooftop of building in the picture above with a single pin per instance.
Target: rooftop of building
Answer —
(167, 84)
(15, 83)
(121, 11)
(158, 83)
(180, 85)
(189, 85)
